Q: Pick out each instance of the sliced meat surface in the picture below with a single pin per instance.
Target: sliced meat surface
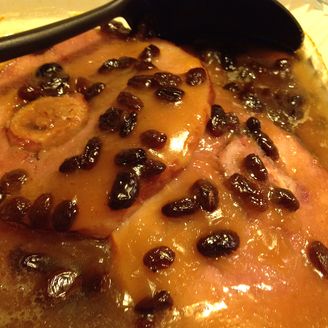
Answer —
(268, 280)
(39, 135)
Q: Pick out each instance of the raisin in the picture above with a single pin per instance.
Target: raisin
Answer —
(64, 215)
(216, 125)
(40, 210)
(165, 79)
(55, 87)
(37, 262)
(219, 243)
(232, 122)
(285, 198)
(150, 169)
(249, 193)
(81, 85)
(267, 145)
(61, 284)
(170, 94)
(232, 87)
(318, 256)
(255, 167)
(206, 195)
(145, 66)
(14, 209)
(12, 181)
(253, 125)
(70, 164)
(116, 28)
(124, 191)
(181, 207)
(29, 92)
(131, 157)
(153, 139)
(94, 283)
(110, 121)
(91, 154)
(159, 302)
(128, 124)
(196, 76)
(49, 70)
(159, 258)
(141, 81)
(109, 65)
(130, 101)
(149, 53)
(282, 64)
(94, 90)
(112, 64)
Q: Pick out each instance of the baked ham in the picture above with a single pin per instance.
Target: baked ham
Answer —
(143, 187)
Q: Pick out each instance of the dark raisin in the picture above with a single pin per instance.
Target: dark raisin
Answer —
(318, 256)
(181, 207)
(39, 212)
(109, 65)
(130, 101)
(249, 193)
(206, 194)
(49, 70)
(128, 124)
(161, 301)
(94, 283)
(196, 76)
(150, 169)
(255, 167)
(219, 243)
(228, 62)
(159, 258)
(153, 139)
(94, 90)
(37, 262)
(3, 195)
(232, 87)
(121, 63)
(61, 284)
(232, 122)
(285, 198)
(29, 92)
(141, 81)
(253, 125)
(131, 157)
(267, 145)
(251, 101)
(91, 154)
(124, 191)
(165, 79)
(145, 321)
(145, 66)
(14, 209)
(116, 28)
(110, 121)
(170, 94)
(81, 85)
(12, 181)
(70, 164)
(55, 87)
(64, 215)
(216, 125)
(149, 53)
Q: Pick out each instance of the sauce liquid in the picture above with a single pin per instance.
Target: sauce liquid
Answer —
(269, 282)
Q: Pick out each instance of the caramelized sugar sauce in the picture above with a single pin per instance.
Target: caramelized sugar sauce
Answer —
(265, 279)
